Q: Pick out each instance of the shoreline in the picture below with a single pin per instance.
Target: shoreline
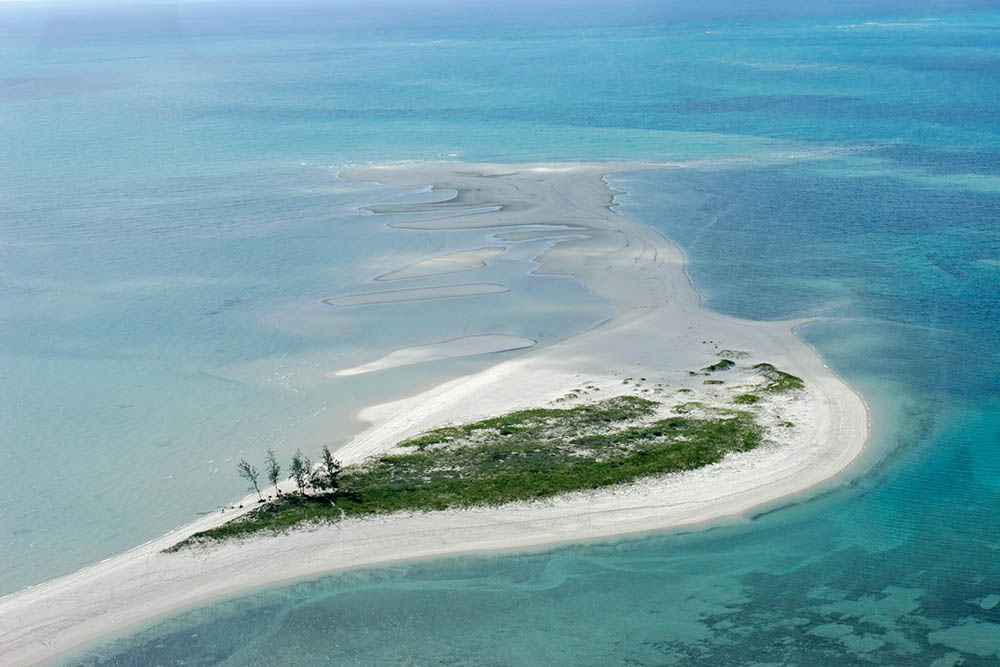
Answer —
(660, 331)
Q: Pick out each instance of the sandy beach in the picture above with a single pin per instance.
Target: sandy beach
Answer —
(659, 333)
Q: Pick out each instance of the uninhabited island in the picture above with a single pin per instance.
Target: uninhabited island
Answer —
(661, 416)
(527, 454)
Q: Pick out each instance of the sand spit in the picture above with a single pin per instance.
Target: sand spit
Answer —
(453, 262)
(659, 333)
(415, 294)
(449, 349)
(531, 235)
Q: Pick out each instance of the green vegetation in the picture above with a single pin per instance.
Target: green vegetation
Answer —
(326, 476)
(723, 365)
(524, 455)
(299, 470)
(746, 399)
(778, 381)
(595, 414)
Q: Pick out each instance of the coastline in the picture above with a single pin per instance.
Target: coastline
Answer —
(660, 331)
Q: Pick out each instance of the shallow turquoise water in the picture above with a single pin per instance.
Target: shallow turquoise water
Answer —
(171, 220)
(896, 568)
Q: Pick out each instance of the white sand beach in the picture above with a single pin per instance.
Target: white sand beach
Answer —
(659, 333)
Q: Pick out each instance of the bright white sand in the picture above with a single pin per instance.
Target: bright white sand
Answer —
(449, 349)
(660, 332)
(463, 260)
(415, 294)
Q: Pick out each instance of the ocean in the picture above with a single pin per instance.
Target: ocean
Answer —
(171, 220)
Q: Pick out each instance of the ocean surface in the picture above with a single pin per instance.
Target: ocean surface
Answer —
(171, 219)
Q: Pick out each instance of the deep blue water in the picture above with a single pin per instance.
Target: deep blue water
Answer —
(170, 219)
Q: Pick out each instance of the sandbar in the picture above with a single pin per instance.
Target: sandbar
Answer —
(534, 234)
(659, 331)
(457, 347)
(452, 262)
(415, 294)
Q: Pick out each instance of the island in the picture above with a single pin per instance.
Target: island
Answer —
(532, 454)
(664, 415)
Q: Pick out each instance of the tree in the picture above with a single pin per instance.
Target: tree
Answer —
(327, 474)
(301, 470)
(273, 469)
(250, 474)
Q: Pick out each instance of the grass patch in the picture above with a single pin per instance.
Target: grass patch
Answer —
(778, 381)
(617, 409)
(524, 455)
(747, 399)
(722, 365)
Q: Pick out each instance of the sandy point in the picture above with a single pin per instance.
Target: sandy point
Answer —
(660, 331)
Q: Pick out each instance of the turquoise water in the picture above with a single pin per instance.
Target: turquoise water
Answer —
(171, 218)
